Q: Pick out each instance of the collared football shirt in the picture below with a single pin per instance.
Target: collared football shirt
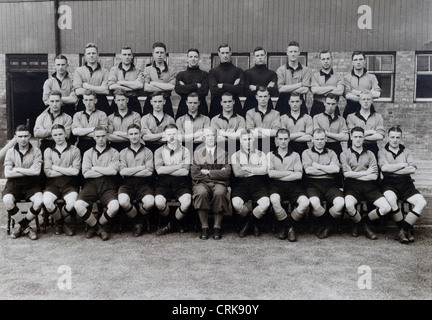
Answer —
(327, 157)
(337, 124)
(109, 157)
(69, 157)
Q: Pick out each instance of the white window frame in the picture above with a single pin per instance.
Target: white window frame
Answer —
(425, 54)
(392, 73)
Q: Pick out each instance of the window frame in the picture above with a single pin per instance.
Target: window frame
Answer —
(416, 73)
(392, 73)
(283, 55)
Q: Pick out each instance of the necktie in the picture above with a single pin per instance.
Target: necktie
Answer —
(211, 156)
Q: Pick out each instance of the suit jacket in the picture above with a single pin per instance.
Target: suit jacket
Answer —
(220, 170)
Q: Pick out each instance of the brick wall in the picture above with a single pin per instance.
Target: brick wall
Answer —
(413, 117)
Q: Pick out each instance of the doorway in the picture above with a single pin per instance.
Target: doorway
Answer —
(26, 75)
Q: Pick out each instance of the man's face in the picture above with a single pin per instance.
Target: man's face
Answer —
(224, 54)
(262, 98)
(365, 101)
(61, 66)
(330, 105)
(282, 140)
(260, 57)
(134, 135)
(246, 141)
(295, 103)
(58, 136)
(23, 138)
(91, 55)
(157, 102)
(319, 140)
(227, 103)
(159, 54)
(171, 135)
(54, 103)
(126, 56)
(100, 137)
(358, 62)
(89, 102)
(192, 104)
(394, 139)
(192, 59)
(326, 61)
(210, 138)
(121, 102)
(357, 138)
(293, 52)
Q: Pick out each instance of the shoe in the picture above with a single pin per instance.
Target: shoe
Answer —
(320, 229)
(325, 232)
(283, 233)
(402, 237)
(410, 234)
(103, 233)
(164, 230)
(181, 228)
(245, 229)
(204, 234)
(137, 229)
(68, 230)
(57, 228)
(30, 233)
(217, 233)
(355, 230)
(17, 233)
(368, 232)
(256, 230)
(91, 231)
(292, 235)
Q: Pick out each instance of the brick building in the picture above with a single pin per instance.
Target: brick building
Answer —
(396, 35)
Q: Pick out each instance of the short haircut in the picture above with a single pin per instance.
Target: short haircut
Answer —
(193, 50)
(357, 53)
(324, 52)
(295, 94)
(225, 45)
(244, 132)
(318, 131)
(22, 127)
(294, 43)
(89, 93)
(193, 95)
(366, 92)
(170, 126)
(127, 48)
(133, 126)
(91, 45)
(358, 129)
(156, 94)
(119, 92)
(55, 93)
(58, 126)
(262, 89)
(395, 129)
(259, 49)
(62, 57)
(212, 129)
(333, 96)
(282, 131)
(100, 128)
(227, 94)
(159, 45)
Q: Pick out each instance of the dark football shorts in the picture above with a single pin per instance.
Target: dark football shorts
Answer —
(61, 186)
(136, 187)
(251, 188)
(22, 188)
(171, 187)
(288, 190)
(323, 189)
(102, 188)
(403, 187)
(363, 190)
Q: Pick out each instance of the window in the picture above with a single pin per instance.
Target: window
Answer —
(383, 67)
(275, 60)
(423, 83)
(142, 60)
(240, 60)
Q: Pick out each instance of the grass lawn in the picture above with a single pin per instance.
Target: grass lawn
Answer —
(182, 267)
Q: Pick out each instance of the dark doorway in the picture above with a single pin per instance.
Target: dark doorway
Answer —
(25, 78)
